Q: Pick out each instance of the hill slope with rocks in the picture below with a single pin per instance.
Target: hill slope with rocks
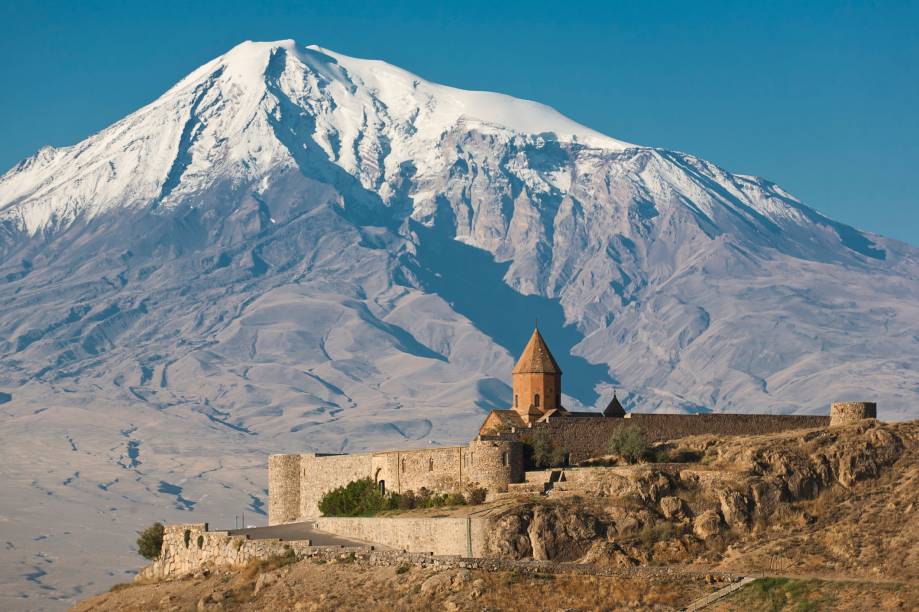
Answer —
(827, 517)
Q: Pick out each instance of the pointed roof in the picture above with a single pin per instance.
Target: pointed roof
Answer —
(536, 358)
(614, 408)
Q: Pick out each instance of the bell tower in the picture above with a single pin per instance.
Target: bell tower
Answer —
(537, 381)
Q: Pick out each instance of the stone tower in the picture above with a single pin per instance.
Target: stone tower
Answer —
(537, 381)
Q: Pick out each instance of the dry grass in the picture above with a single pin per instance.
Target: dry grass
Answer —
(352, 586)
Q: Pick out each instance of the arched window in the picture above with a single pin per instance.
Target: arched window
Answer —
(403, 464)
(431, 464)
(515, 401)
(536, 400)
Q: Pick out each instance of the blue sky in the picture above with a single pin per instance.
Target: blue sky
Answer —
(820, 97)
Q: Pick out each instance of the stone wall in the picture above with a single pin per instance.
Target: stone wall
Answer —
(296, 483)
(496, 463)
(283, 488)
(843, 413)
(586, 437)
(189, 547)
(463, 536)
(322, 473)
(443, 469)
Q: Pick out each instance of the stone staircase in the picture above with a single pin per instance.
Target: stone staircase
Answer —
(537, 483)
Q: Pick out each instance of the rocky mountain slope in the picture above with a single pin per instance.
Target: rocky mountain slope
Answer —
(293, 249)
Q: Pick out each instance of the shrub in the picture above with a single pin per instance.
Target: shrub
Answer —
(456, 499)
(402, 569)
(406, 501)
(629, 442)
(541, 451)
(476, 496)
(150, 541)
(357, 498)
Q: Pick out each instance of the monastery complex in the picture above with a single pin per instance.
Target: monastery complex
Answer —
(495, 458)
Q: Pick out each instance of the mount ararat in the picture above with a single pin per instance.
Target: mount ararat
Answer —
(293, 249)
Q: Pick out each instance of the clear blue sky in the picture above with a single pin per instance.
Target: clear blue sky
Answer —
(820, 97)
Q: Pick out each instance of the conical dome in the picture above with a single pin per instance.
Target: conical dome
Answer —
(536, 358)
(614, 408)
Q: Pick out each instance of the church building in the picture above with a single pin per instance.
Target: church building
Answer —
(537, 381)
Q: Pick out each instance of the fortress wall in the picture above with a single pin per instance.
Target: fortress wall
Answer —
(463, 536)
(283, 489)
(211, 548)
(495, 463)
(442, 469)
(322, 473)
(586, 437)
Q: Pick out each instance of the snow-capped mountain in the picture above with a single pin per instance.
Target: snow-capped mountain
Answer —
(295, 249)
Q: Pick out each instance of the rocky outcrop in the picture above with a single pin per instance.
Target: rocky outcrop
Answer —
(665, 512)
(546, 532)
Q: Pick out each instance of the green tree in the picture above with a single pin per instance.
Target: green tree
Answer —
(629, 442)
(543, 451)
(150, 541)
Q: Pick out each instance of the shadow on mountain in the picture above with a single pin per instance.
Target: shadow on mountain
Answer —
(473, 283)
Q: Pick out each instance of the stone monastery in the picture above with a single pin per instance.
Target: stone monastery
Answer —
(495, 458)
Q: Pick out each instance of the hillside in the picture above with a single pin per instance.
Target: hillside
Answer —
(834, 512)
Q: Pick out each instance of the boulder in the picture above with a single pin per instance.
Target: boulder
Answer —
(707, 524)
(734, 507)
(436, 583)
(671, 507)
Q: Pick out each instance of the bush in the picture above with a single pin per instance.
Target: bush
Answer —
(357, 498)
(406, 501)
(363, 498)
(150, 541)
(541, 451)
(629, 442)
(476, 496)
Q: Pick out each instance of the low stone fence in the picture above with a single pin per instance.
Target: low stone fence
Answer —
(188, 548)
(464, 536)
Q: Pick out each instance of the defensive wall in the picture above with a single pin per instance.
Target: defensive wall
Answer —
(461, 536)
(189, 547)
(587, 437)
(296, 483)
